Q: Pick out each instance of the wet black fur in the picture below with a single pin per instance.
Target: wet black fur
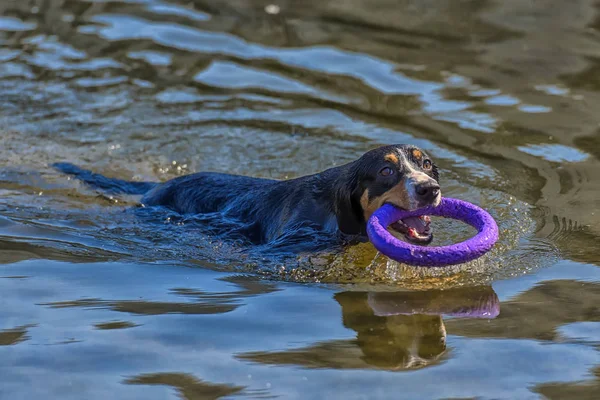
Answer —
(328, 201)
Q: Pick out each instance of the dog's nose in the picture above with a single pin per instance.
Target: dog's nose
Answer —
(427, 191)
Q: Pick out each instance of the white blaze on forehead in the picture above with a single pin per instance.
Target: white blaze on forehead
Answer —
(412, 178)
(409, 165)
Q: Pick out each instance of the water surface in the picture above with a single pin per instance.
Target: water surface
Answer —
(100, 301)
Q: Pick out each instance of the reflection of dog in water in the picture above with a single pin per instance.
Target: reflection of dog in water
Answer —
(394, 330)
(392, 341)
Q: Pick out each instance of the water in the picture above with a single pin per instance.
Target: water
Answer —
(99, 301)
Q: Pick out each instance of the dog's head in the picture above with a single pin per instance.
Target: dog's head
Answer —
(404, 176)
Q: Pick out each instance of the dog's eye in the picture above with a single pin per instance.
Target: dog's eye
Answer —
(427, 164)
(387, 171)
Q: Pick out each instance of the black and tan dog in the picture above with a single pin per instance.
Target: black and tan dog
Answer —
(337, 200)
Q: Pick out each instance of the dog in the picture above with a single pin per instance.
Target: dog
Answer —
(337, 201)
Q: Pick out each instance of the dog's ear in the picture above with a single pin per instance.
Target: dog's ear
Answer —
(349, 212)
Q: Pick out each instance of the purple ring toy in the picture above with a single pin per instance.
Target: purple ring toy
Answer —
(441, 256)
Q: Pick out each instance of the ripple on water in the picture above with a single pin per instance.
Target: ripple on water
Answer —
(13, 24)
(555, 152)
(327, 63)
(231, 75)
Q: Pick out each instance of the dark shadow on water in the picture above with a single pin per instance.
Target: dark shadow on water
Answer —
(187, 386)
(394, 330)
(14, 336)
(193, 301)
(569, 391)
(114, 325)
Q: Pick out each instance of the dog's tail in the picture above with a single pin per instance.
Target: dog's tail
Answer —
(109, 185)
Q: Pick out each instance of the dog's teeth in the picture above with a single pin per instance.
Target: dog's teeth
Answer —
(426, 218)
(412, 232)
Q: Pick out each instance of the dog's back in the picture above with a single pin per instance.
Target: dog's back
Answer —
(264, 209)
(205, 192)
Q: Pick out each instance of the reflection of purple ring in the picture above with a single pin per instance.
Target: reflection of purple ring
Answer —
(442, 256)
(464, 302)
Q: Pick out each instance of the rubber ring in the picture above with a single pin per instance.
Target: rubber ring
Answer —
(440, 256)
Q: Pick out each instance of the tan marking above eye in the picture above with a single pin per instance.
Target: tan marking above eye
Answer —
(391, 157)
(417, 153)
(397, 195)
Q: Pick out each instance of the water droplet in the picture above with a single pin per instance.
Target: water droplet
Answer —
(272, 9)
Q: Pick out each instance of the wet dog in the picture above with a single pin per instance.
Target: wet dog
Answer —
(339, 200)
